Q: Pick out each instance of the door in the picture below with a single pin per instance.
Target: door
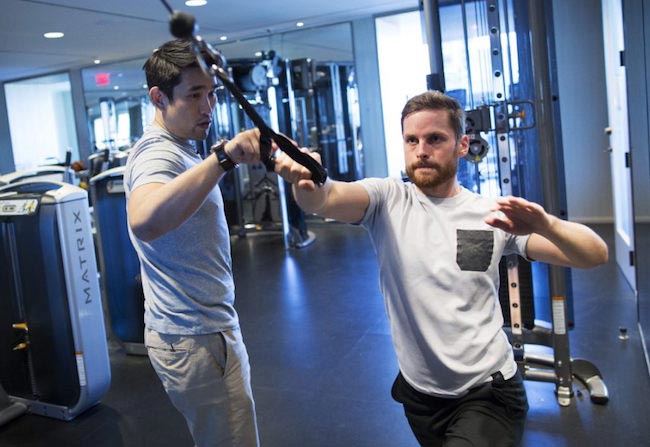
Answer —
(617, 131)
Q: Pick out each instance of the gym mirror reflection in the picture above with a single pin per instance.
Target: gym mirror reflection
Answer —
(301, 82)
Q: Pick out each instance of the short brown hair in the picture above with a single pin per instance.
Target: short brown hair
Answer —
(165, 66)
(435, 100)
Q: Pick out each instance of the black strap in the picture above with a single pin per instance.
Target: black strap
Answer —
(318, 173)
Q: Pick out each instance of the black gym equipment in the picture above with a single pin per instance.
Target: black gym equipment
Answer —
(119, 265)
(53, 352)
(9, 408)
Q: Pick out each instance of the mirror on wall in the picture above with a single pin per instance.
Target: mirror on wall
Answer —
(117, 103)
(56, 135)
(302, 83)
(116, 95)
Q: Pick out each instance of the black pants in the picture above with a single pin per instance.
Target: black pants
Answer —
(492, 414)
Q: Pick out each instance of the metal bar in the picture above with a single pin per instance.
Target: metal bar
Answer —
(339, 126)
(469, 68)
(548, 159)
(505, 166)
(541, 375)
(431, 15)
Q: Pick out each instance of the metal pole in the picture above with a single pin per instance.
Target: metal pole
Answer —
(548, 161)
(431, 15)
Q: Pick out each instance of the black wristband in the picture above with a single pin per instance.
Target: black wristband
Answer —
(225, 161)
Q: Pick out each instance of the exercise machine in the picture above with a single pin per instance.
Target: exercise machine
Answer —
(526, 161)
(525, 332)
(53, 351)
(119, 266)
(54, 173)
(9, 408)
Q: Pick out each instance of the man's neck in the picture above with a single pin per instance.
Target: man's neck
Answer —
(160, 122)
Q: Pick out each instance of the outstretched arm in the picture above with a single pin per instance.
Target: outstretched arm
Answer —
(155, 209)
(552, 240)
(343, 201)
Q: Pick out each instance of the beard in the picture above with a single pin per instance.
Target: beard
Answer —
(431, 179)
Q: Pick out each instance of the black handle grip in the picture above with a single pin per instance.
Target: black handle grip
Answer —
(318, 173)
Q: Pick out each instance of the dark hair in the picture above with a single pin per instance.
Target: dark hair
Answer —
(435, 100)
(165, 66)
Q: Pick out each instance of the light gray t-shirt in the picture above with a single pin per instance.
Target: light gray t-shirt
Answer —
(187, 272)
(439, 274)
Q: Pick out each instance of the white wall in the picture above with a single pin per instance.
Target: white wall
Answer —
(583, 107)
(41, 120)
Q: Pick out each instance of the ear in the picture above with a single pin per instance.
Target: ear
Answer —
(158, 98)
(463, 146)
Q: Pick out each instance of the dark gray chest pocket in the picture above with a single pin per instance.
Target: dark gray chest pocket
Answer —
(474, 249)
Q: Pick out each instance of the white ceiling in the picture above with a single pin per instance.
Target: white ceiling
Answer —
(115, 30)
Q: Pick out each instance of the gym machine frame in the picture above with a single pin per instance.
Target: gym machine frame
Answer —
(560, 368)
(76, 320)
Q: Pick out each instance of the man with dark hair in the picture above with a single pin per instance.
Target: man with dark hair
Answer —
(178, 228)
(439, 247)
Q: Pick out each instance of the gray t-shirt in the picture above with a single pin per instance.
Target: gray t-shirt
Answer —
(439, 274)
(187, 272)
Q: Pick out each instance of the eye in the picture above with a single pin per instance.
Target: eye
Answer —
(411, 140)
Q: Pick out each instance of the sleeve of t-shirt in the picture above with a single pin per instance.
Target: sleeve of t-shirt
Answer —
(376, 189)
(155, 163)
(517, 245)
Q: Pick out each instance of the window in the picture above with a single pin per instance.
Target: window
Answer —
(41, 120)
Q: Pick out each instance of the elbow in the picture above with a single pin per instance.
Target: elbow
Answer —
(603, 254)
(599, 256)
(146, 232)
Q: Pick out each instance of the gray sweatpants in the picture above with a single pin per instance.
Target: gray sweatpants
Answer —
(207, 378)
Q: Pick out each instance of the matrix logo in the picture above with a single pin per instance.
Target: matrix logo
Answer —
(82, 253)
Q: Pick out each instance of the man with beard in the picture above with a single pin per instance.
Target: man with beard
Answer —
(439, 247)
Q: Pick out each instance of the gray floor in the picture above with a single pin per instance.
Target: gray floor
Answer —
(322, 361)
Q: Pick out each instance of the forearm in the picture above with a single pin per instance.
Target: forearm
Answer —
(165, 208)
(312, 201)
(579, 245)
(342, 201)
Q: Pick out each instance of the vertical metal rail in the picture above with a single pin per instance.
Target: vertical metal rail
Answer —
(467, 61)
(339, 126)
(431, 15)
(505, 167)
(233, 127)
(274, 123)
(548, 158)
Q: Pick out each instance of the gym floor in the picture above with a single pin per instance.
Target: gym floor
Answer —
(323, 363)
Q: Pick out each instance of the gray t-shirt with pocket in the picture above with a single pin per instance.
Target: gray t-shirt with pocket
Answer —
(187, 272)
(439, 274)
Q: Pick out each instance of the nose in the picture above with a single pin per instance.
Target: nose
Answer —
(422, 150)
(207, 105)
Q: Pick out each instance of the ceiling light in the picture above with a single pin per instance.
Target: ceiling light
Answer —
(300, 24)
(196, 2)
(97, 61)
(223, 38)
(117, 87)
(53, 35)
(258, 54)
